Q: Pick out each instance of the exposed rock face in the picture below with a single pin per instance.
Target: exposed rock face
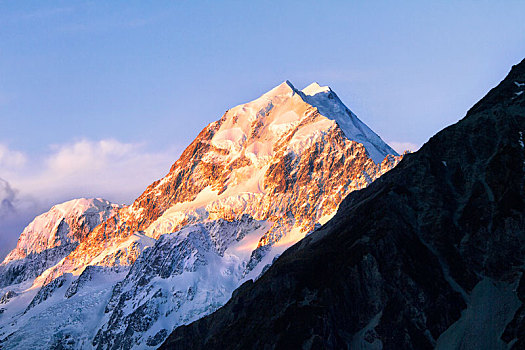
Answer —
(430, 255)
(6, 296)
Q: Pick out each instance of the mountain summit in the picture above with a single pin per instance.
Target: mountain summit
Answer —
(330, 106)
(251, 184)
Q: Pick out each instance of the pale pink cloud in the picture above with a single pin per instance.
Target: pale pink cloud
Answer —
(107, 168)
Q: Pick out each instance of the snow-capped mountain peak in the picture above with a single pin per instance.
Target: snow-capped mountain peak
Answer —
(51, 236)
(251, 184)
(285, 97)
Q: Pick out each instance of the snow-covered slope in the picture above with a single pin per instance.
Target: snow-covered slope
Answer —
(44, 242)
(327, 102)
(187, 274)
(249, 186)
(52, 236)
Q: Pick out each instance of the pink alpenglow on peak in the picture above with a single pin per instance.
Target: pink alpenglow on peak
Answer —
(250, 185)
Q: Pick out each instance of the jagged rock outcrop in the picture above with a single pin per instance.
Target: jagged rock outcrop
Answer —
(431, 255)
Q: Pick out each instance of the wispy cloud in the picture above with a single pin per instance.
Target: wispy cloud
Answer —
(11, 159)
(102, 168)
(7, 197)
(15, 213)
(106, 168)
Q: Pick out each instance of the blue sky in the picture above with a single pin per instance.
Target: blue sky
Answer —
(100, 98)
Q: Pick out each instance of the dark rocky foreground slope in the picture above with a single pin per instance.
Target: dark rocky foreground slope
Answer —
(430, 255)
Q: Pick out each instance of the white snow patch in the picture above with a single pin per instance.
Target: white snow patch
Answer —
(140, 239)
(258, 151)
(286, 117)
(327, 217)
(292, 237)
(314, 89)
